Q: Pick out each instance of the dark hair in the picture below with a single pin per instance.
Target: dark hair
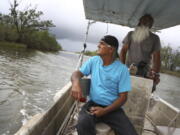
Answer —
(111, 40)
(150, 20)
(148, 15)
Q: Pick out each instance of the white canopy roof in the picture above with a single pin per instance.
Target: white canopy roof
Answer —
(166, 13)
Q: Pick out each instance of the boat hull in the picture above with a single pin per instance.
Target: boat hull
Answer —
(140, 107)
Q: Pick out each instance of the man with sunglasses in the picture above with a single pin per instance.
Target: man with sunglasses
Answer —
(110, 83)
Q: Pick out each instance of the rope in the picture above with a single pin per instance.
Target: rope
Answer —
(76, 109)
(169, 126)
(174, 119)
(84, 45)
(170, 131)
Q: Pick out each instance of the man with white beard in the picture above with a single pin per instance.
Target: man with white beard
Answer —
(143, 49)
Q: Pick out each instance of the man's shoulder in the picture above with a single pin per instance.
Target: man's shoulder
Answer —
(130, 33)
(95, 58)
(154, 35)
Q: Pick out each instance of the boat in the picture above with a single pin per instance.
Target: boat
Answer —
(150, 114)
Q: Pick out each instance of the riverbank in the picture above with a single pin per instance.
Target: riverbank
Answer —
(173, 73)
(90, 53)
(45, 48)
(12, 45)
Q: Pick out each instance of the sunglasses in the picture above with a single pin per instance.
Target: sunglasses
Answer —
(104, 43)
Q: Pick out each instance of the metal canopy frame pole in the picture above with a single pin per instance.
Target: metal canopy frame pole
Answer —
(74, 107)
(84, 45)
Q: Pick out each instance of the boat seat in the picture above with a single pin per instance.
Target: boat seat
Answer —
(138, 101)
(164, 130)
(103, 129)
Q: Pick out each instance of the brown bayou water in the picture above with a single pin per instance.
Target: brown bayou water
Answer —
(29, 80)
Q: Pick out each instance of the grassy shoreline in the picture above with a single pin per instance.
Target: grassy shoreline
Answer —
(173, 73)
(12, 45)
(90, 53)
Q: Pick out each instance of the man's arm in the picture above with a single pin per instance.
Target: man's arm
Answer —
(156, 61)
(100, 111)
(76, 90)
(154, 74)
(123, 53)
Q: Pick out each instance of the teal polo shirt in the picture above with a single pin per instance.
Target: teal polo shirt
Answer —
(106, 81)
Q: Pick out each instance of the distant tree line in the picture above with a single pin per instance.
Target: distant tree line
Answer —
(90, 53)
(27, 28)
(170, 59)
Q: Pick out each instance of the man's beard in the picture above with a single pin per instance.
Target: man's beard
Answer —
(140, 33)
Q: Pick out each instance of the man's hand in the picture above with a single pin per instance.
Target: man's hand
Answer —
(154, 76)
(97, 111)
(156, 79)
(100, 111)
(76, 91)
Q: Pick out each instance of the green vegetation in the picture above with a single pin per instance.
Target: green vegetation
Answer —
(12, 45)
(174, 73)
(26, 28)
(170, 61)
(90, 53)
(41, 40)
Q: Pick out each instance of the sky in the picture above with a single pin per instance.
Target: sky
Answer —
(69, 18)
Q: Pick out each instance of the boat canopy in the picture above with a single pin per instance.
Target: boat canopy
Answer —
(166, 13)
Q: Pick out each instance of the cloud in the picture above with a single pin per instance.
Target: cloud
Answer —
(69, 18)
